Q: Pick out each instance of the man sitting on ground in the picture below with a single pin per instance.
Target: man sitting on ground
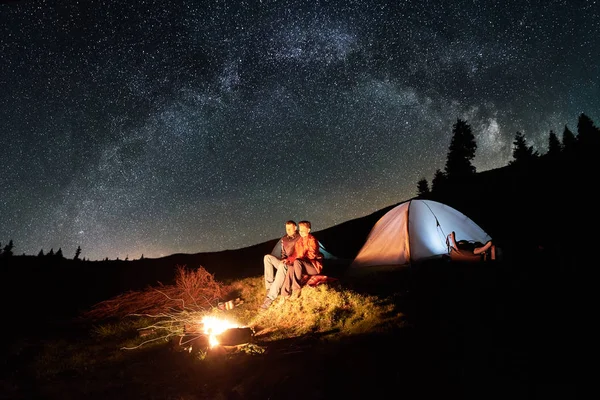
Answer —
(274, 280)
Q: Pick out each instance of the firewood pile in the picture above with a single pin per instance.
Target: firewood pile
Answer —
(193, 291)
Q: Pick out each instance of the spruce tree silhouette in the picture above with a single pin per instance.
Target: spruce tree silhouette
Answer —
(77, 253)
(7, 251)
(423, 188)
(438, 182)
(588, 135)
(523, 155)
(461, 152)
(554, 146)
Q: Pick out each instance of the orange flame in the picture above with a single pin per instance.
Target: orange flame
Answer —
(214, 326)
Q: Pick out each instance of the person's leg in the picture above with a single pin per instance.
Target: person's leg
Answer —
(286, 289)
(277, 284)
(270, 261)
(301, 267)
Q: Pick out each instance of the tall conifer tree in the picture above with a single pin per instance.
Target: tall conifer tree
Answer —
(461, 152)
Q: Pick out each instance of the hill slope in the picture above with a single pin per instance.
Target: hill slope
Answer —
(507, 329)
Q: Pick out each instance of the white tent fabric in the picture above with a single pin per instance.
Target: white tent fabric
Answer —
(413, 231)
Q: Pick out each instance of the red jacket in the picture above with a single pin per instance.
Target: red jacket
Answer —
(308, 249)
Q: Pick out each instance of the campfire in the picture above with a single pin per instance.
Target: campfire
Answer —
(213, 327)
(221, 332)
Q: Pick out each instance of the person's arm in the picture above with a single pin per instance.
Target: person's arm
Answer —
(283, 252)
(314, 255)
(292, 257)
(312, 252)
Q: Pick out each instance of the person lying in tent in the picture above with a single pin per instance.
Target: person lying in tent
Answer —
(466, 248)
(309, 261)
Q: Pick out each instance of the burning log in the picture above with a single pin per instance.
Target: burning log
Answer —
(213, 332)
(227, 342)
(235, 336)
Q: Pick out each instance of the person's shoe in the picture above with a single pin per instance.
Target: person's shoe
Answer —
(266, 303)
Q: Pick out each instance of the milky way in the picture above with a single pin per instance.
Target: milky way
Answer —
(156, 127)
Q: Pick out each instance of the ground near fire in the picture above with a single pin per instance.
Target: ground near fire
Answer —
(492, 330)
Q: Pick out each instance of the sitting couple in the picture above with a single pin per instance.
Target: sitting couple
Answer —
(300, 256)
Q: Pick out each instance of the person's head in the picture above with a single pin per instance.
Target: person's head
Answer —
(304, 228)
(290, 227)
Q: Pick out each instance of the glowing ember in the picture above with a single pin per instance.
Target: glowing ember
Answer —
(214, 326)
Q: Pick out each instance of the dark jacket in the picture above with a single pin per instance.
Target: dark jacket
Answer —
(287, 246)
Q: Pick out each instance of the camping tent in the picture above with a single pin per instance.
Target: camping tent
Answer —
(413, 231)
(326, 255)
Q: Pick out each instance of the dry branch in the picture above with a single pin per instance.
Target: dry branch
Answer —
(193, 291)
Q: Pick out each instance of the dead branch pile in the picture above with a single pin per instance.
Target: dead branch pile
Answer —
(193, 291)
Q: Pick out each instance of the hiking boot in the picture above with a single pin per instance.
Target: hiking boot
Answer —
(266, 303)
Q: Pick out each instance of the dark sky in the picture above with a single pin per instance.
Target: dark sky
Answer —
(155, 127)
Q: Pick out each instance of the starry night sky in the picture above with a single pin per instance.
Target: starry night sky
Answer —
(153, 127)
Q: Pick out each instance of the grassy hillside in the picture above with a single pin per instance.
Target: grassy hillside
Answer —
(503, 329)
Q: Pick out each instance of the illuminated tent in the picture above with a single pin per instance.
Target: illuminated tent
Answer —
(413, 231)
